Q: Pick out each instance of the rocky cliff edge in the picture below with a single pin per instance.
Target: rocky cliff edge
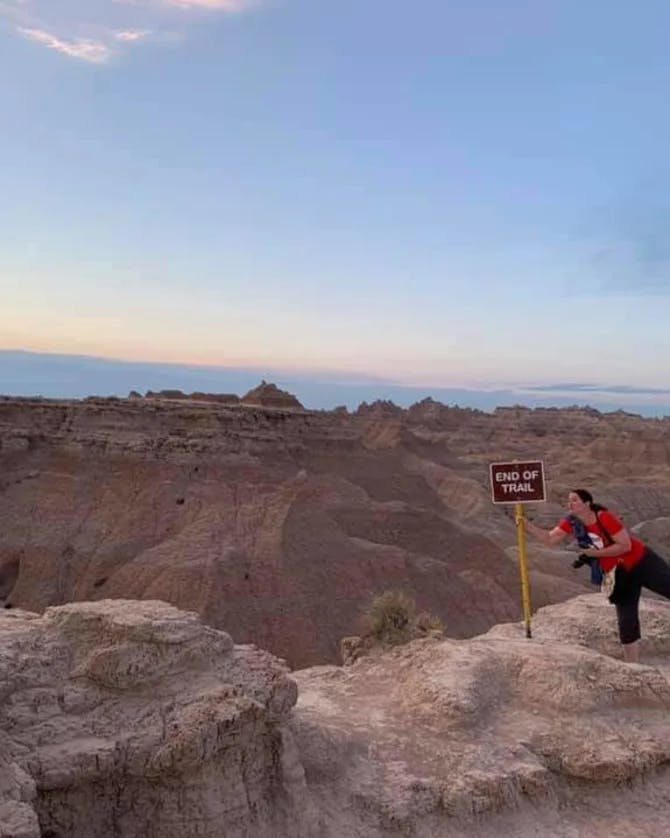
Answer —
(123, 718)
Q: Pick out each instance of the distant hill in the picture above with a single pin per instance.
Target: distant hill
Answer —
(76, 377)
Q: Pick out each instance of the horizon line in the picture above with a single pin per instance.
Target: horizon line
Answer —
(357, 378)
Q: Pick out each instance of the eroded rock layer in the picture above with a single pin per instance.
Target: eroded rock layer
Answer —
(281, 525)
(134, 719)
(127, 718)
(497, 735)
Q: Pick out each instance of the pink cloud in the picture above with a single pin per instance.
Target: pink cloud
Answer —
(95, 52)
(95, 31)
(220, 5)
(214, 5)
(132, 35)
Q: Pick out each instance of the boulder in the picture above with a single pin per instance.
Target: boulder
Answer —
(496, 735)
(135, 719)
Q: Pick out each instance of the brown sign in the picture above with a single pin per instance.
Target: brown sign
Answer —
(517, 482)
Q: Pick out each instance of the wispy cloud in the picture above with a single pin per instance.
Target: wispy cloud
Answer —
(575, 387)
(95, 31)
(132, 35)
(628, 240)
(639, 264)
(214, 5)
(95, 52)
(221, 5)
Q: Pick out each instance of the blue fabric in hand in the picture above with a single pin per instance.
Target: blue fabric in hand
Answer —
(583, 539)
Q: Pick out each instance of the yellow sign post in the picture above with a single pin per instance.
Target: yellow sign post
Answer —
(523, 566)
(519, 483)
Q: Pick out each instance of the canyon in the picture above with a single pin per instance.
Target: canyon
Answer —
(178, 573)
(280, 524)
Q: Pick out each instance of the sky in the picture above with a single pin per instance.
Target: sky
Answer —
(444, 194)
(52, 375)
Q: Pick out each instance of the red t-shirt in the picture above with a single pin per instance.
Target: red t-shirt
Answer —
(613, 525)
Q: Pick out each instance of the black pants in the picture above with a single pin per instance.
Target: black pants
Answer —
(650, 572)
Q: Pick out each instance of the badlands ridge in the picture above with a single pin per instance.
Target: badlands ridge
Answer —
(138, 536)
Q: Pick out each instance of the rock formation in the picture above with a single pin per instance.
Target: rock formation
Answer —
(221, 398)
(132, 719)
(166, 394)
(281, 525)
(269, 395)
(178, 395)
(497, 735)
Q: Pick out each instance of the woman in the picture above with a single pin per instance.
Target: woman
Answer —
(637, 565)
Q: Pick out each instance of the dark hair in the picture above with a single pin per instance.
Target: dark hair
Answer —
(586, 497)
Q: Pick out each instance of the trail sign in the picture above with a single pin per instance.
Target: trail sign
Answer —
(517, 482)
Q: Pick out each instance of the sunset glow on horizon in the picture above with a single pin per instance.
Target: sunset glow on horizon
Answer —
(447, 197)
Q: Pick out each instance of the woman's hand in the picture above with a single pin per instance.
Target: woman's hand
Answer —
(549, 537)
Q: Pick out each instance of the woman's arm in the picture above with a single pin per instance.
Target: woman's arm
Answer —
(549, 537)
(621, 545)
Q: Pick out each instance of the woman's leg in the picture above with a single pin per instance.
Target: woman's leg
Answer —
(651, 572)
(628, 619)
(655, 573)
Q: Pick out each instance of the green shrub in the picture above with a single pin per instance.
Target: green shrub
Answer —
(390, 617)
(427, 622)
(391, 620)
